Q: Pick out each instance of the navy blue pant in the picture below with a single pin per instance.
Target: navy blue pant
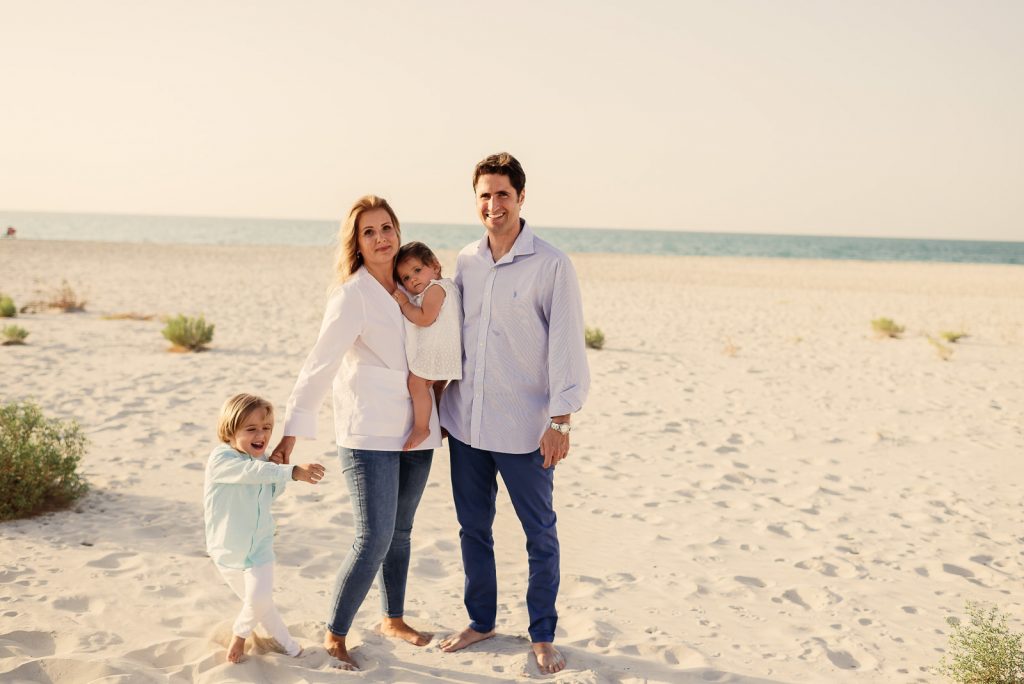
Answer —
(531, 487)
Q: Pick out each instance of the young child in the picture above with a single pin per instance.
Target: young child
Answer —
(433, 341)
(240, 485)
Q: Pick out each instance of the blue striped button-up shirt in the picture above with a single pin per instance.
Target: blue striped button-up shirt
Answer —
(524, 357)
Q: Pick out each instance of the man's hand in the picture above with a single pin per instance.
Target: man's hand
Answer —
(308, 472)
(554, 446)
(283, 451)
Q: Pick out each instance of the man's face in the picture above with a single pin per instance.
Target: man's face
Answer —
(497, 204)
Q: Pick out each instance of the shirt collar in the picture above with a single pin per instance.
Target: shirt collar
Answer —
(522, 246)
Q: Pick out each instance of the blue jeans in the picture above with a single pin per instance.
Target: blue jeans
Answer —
(385, 487)
(531, 488)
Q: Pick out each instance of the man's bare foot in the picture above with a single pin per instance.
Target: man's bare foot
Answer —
(467, 637)
(335, 645)
(235, 649)
(398, 629)
(549, 660)
(418, 435)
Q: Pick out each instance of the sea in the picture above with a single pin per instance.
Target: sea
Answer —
(229, 231)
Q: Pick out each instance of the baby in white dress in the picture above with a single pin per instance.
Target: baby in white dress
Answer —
(433, 326)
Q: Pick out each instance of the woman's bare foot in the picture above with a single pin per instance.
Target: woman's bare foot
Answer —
(549, 660)
(416, 437)
(335, 645)
(398, 629)
(467, 637)
(235, 649)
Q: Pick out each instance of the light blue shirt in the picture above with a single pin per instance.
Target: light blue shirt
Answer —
(237, 494)
(524, 358)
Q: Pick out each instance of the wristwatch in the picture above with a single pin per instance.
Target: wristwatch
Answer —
(560, 427)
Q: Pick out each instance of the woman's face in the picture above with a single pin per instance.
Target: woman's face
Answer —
(377, 238)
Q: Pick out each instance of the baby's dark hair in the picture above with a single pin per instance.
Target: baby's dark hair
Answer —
(416, 250)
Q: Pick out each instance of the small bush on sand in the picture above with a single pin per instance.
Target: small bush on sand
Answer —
(65, 299)
(188, 334)
(983, 651)
(7, 308)
(13, 334)
(38, 461)
(593, 337)
(945, 353)
(129, 316)
(953, 337)
(886, 327)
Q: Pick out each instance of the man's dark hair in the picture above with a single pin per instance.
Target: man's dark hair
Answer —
(504, 164)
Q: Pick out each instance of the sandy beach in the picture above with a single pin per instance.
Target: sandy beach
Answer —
(759, 489)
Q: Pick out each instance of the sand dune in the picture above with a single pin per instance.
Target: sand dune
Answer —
(759, 489)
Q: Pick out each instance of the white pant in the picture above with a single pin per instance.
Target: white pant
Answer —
(255, 586)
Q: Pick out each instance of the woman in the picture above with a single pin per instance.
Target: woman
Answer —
(361, 352)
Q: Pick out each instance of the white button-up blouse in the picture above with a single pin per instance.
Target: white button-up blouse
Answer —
(360, 353)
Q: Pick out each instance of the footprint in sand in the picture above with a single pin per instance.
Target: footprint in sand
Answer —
(27, 644)
(76, 604)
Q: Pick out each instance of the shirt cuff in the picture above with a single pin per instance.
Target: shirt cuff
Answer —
(300, 423)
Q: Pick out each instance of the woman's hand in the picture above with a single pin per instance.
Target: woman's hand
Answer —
(283, 451)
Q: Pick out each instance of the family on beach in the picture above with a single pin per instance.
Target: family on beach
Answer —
(493, 359)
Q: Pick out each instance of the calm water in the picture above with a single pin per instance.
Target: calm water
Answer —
(198, 230)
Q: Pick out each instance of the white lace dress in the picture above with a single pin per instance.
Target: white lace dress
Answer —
(435, 352)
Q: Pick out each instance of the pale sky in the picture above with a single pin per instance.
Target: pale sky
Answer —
(891, 118)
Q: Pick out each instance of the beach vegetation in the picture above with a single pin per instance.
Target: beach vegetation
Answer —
(129, 316)
(594, 338)
(7, 308)
(953, 337)
(983, 650)
(188, 334)
(13, 334)
(886, 327)
(39, 459)
(65, 299)
(945, 353)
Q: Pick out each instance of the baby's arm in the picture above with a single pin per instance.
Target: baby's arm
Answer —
(227, 468)
(425, 315)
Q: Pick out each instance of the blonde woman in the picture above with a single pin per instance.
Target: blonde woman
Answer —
(360, 354)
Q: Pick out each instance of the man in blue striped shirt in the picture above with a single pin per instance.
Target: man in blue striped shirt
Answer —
(524, 374)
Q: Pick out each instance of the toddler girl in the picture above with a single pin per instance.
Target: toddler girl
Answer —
(240, 485)
(433, 331)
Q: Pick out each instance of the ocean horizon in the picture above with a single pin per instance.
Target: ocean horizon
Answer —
(228, 231)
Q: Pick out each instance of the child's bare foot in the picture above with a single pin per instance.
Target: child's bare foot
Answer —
(419, 434)
(549, 660)
(235, 649)
(467, 637)
(398, 629)
(335, 645)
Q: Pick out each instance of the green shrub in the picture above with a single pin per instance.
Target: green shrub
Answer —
(983, 651)
(13, 334)
(945, 353)
(38, 461)
(7, 308)
(188, 334)
(593, 337)
(886, 327)
(952, 337)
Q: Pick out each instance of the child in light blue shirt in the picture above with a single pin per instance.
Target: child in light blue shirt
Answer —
(239, 487)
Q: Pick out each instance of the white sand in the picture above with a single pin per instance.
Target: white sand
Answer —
(758, 491)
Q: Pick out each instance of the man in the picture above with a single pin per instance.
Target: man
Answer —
(524, 373)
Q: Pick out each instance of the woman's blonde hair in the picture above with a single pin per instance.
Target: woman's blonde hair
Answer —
(236, 409)
(348, 260)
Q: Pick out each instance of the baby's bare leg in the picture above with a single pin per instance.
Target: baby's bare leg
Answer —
(419, 390)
